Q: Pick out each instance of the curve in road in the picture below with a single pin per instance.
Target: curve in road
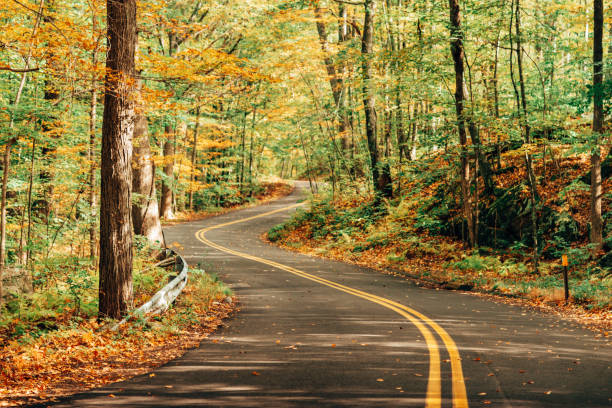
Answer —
(318, 337)
(433, 398)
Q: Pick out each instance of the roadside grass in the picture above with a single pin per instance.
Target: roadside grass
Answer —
(53, 344)
(390, 238)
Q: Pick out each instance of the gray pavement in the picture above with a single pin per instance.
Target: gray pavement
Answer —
(296, 342)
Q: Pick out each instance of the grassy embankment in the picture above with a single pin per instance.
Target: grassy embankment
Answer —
(53, 344)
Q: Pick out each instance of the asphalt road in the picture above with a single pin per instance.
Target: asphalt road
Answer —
(313, 332)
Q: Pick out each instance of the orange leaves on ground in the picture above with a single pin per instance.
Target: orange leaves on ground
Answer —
(63, 362)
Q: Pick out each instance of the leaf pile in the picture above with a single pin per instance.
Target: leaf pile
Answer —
(84, 356)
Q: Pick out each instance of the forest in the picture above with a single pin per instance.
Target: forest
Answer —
(463, 142)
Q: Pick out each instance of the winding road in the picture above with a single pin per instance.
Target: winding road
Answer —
(318, 333)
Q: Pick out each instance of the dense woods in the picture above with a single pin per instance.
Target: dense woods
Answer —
(485, 123)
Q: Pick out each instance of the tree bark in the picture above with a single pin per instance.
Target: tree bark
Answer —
(598, 117)
(5, 172)
(527, 134)
(28, 252)
(167, 195)
(145, 211)
(115, 289)
(457, 53)
(519, 62)
(91, 148)
(382, 186)
(194, 153)
(336, 82)
(51, 95)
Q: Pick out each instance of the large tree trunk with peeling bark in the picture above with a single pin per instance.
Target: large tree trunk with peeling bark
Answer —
(145, 211)
(458, 55)
(598, 116)
(166, 196)
(115, 290)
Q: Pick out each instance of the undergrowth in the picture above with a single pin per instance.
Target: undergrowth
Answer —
(419, 232)
(66, 294)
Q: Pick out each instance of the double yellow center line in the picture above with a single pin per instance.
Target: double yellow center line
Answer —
(433, 398)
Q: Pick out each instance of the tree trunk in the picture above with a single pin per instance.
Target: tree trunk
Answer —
(598, 117)
(167, 195)
(51, 95)
(495, 80)
(519, 62)
(90, 151)
(194, 153)
(527, 134)
(413, 132)
(145, 211)
(336, 82)
(457, 53)
(28, 252)
(5, 172)
(115, 289)
(382, 186)
(399, 130)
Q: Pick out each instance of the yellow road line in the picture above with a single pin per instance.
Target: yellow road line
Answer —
(433, 397)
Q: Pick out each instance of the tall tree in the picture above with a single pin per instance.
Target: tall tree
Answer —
(336, 81)
(598, 116)
(194, 153)
(145, 211)
(167, 195)
(458, 55)
(115, 289)
(382, 185)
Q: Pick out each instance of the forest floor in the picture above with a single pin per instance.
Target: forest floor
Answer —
(79, 353)
(53, 346)
(72, 352)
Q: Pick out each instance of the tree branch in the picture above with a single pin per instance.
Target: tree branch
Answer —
(352, 3)
(22, 70)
